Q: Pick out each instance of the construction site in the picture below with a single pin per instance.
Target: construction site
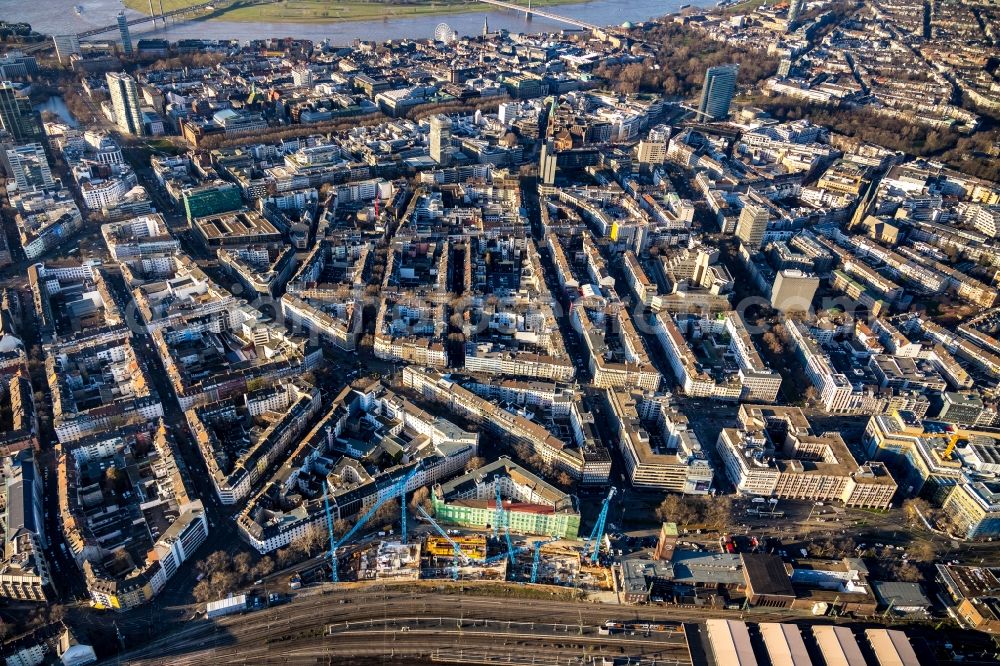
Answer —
(558, 562)
(490, 552)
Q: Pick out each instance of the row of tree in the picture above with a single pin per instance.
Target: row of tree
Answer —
(273, 135)
(534, 461)
(714, 513)
(682, 56)
(973, 154)
(223, 573)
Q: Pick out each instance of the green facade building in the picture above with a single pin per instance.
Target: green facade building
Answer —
(531, 505)
(17, 115)
(211, 199)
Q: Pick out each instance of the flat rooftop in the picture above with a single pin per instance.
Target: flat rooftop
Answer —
(235, 225)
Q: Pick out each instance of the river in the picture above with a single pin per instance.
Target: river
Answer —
(57, 17)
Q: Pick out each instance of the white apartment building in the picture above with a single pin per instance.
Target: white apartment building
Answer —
(756, 381)
(659, 450)
(481, 358)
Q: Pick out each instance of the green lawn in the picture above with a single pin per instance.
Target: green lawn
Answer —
(293, 11)
(748, 6)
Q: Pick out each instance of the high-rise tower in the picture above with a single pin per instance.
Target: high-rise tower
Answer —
(16, 114)
(717, 93)
(794, 9)
(125, 101)
(752, 225)
(126, 37)
(28, 166)
(440, 139)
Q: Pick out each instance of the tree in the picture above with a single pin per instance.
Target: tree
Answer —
(114, 480)
(421, 497)
(475, 462)
(310, 540)
(914, 508)
(677, 509)
(341, 527)
(263, 567)
(718, 512)
(242, 564)
(923, 551)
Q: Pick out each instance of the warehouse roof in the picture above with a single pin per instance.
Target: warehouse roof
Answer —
(766, 574)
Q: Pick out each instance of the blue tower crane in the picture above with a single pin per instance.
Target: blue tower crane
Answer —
(498, 511)
(596, 534)
(329, 529)
(512, 552)
(456, 549)
(402, 512)
(535, 560)
(506, 536)
(504, 555)
(396, 490)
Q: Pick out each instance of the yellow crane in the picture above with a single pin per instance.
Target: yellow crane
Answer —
(953, 436)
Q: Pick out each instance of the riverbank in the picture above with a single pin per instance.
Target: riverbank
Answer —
(321, 11)
(56, 17)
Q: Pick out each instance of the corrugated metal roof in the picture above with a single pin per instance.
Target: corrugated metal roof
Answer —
(838, 646)
(784, 643)
(730, 642)
(892, 647)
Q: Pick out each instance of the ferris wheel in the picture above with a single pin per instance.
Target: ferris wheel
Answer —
(444, 33)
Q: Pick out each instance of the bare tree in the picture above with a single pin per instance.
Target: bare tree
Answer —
(421, 497)
(263, 567)
(310, 540)
(718, 512)
(907, 572)
(341, 527)
(924, 551)
(242, 564)
(773, 343)
(386, 514)
(475, 462)
(217, 561)
(203, 591)
(57, 612)
(677, 509)
(284, 556)
(914, 507)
